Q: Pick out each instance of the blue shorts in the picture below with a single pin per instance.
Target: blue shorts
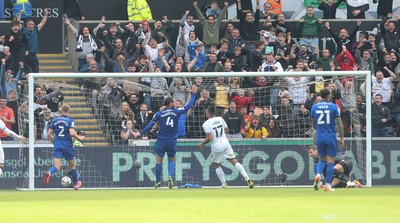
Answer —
(67, 154)
(327, 148)
(163, 146)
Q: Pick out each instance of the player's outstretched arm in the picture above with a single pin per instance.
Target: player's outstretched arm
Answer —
(13, 134)
(192, 98)
(73, 134)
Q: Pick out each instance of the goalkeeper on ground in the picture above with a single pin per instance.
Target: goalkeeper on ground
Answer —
(342, 168)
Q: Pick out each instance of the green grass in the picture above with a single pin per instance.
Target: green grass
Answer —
(377, 204)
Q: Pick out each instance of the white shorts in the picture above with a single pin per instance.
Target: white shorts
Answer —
(219, 157)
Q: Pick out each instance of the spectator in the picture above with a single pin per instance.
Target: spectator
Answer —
(212, 65)
(282, 51)
(265, 116)
(198, 116)
(297, 87)
(357, 9)
(343, 38)
(7, 81)
(383, 86)
(128, 132)
(151, 49)
(86, 43)
(22, 5)
(124, 114)
(7, 116)
(255, 129)
(17, 43)
(178, 90)
(303, 54)
(286, 118)
(309, 26)
(276, 6)
(220, 91)
(345, 60)
(54, 101)
(138, 10)
(235, 122)
(386, 61)
(326, 61)
(143, 116)
(160, 31)
(249, 28)
(391, 36)
(366, 62)
(362, 43)
(42, 124)
(329, 8)
(281, 26)
(185, 27)
(214, 10)
(243, 100)
(385, 8)
(13, 104)
(210, 27)
(189, 41)
(77, 141)
(274, 131)
(270, 64)
(31, 33)
(380, 117)
(267, 13)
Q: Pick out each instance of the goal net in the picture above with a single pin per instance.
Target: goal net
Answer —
(268, 115)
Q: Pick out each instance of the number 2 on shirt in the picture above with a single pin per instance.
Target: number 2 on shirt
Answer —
(324, 117)
(170, 122)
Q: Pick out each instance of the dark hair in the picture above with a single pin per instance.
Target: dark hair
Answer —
(167, 101)
(378, 95)
(325, 93)
(211, 109)
(14, 23)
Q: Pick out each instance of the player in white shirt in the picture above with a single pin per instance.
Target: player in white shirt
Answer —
(215, 128)
(9, 132)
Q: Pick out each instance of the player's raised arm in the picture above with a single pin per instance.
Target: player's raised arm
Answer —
(149, 126)
(192, 98)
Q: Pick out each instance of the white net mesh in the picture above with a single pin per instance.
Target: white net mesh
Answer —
(269, 122)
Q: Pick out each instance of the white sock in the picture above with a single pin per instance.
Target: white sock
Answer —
(1, 172)
(221, 175)
(241, 170)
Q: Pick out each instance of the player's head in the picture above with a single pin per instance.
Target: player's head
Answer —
(169, 102)
(65, 109)
(312, 151)
(210, 112)
(326, 94)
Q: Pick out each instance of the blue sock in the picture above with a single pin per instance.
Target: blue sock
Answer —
(320, 166)
(171, 168)
(74, 174)
(329, 172)
(158, 172)
(52, 170)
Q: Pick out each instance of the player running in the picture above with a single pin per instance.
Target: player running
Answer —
(60, 134)
(215, 128)
(323, 116)
(342, 169)
(6, 130)
(167, 135)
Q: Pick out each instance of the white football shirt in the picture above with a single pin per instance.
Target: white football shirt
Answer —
(216, 127)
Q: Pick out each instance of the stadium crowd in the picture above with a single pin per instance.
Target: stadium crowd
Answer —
(261, 41)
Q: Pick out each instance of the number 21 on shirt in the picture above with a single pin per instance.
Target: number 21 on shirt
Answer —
(324, 117)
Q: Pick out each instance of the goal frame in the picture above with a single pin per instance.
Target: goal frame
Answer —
(368, 99)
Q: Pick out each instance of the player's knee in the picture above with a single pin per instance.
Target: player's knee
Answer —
(216, 165)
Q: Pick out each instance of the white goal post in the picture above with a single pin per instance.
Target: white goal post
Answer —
(35, 76)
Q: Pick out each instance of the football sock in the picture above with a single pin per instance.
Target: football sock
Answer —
(340, 175)
(52, 170)
(74, 174)
(171, 168)
(221, 175)
(1, 171)
(320, 166)
(329, 172)
(158, 172)
(241, 169)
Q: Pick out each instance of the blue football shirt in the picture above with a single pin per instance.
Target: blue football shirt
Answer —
(324, 114)
(168, 119)
(61, 127)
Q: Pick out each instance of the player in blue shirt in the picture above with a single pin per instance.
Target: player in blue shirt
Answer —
(60, 134)
(324, 117)
(167, 135)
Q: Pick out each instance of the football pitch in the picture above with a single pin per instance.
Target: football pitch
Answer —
(376, 204)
